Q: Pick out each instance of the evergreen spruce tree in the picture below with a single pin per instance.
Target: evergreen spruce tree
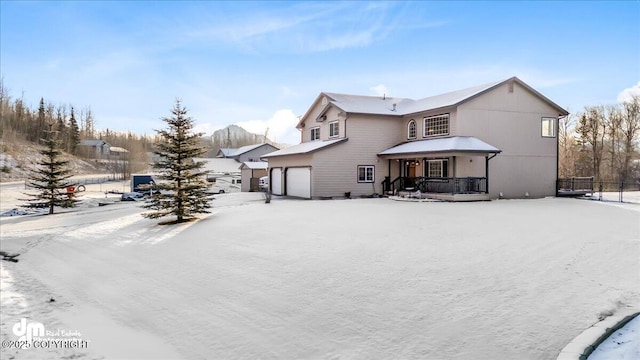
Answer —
(50, 177)
(74, 133)
(182, 189)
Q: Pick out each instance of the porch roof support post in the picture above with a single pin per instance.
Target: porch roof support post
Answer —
(455, 187)
(486, 172)
(486, 169)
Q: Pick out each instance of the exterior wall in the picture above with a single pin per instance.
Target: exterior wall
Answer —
(335, 169)
(332, 114)
(246, 177)
(247, 174)
(255, 154)
(512, 123)
(469, 166)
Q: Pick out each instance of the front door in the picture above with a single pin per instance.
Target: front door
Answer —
(411, 169)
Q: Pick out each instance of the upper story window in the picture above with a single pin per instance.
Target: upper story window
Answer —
(315, 133)
(548, 127)
(411, 130)
(436, 125)
(334, 129)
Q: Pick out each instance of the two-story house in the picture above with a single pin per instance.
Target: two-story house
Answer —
(497, 139)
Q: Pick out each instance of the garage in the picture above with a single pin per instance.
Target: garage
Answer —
(298, 182)
(276, 181)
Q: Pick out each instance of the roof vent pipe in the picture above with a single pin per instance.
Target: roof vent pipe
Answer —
(384, 96)
(394, 107)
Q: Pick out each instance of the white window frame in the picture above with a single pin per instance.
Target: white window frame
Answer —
(412, 129)
(548, 125)
(442, 162)
(317, 131)
(334, 129)
(438, 123)
(368, 173)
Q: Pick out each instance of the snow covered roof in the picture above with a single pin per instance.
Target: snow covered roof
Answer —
(244, 149)
(226, 152)
(255, 165)
(233, 152)
(304, 148)
(460, 144)
(93, 143)
(220, 165)
(402, 106)
(117, 149)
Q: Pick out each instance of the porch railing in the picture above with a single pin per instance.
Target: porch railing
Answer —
(463, 185)
(575, 185)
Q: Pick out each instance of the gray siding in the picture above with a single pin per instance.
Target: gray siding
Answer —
(335, 169)
(512, 123)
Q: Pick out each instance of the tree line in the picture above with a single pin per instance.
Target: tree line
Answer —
(70, 125)
(601, 141)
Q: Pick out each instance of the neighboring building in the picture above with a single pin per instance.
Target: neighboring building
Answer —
(497, 139)
(100, 149)
(94, 149)
(252, 171)
(246, 153)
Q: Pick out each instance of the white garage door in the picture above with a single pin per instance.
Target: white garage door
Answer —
(276, 181)
(299, 182)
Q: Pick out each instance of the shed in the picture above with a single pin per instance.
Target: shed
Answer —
(251, 172)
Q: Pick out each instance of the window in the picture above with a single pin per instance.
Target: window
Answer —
(548, 127)
(315, 133)
(334, 129)
(366, 174)
(411, 129)
(437, 168)
(436, 125)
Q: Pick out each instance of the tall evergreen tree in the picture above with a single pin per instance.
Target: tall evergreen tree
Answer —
(181, 191)
(74, 133)
(50, 177)
(41, 123)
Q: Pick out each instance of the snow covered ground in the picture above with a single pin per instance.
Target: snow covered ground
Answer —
(623, 344)
(349, 279)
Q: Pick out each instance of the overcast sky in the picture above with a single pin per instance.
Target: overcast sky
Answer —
(259, 64)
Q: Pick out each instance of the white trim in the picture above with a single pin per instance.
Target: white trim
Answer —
(331, 125)
(550, 128)
(368, 178)
(312, 131)
(415, 129)
(439, 126)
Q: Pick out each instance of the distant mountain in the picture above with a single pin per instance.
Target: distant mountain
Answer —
(233, 136)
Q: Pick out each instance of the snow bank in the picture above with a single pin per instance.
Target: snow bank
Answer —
(623, 344)
(356, 279)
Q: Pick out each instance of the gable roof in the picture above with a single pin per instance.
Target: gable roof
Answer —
(93, 143)
(304, 148)
(376, 105)
(234, 152)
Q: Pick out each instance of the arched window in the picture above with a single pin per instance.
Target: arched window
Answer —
(411, 129)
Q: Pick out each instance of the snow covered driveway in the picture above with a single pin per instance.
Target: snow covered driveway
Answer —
(342, 279)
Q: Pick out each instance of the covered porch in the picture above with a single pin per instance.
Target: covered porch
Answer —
(452, 169)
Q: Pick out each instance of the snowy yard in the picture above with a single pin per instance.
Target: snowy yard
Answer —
(341, 279)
